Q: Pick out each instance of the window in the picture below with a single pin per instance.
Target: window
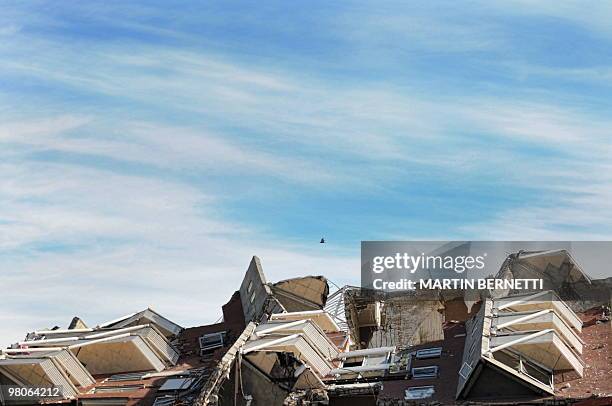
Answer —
(425, 372)
(209, 342)
(131, 376)
(368, 360)
(429, 353)
(166, 400)
(122, 388)
(419, 392)
(465, 370)
(252, 297)
(177, 384)
(250, 287)
(375, 359)
(352, 362)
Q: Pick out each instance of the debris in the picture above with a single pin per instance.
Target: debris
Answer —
(291, 343)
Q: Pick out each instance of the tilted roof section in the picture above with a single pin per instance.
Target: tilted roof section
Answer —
(135, 348)
(51, 369)
(309, 292)
(558, 271)
(147, 316)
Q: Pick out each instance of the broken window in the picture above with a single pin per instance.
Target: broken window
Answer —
(425, 372)
(429, 353)
(375, 360)
(209, 342)
(524, 366)
(419, 392)
(368, 360)
(353, 362)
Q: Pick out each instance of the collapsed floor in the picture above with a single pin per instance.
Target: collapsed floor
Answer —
(294, 343)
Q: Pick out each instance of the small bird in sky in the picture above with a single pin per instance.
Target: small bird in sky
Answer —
(322, 241)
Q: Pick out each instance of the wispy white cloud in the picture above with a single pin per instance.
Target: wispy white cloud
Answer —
(548, 124)
(78, 222)
(162, 146)
(574, 210)
(597, 75)
(592, 15)
(102, 244)
(370, 120)
(42, 130)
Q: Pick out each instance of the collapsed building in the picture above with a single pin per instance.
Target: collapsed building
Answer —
(294, 343)
(560, 272)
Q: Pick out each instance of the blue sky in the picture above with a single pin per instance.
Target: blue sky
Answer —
(148, 150)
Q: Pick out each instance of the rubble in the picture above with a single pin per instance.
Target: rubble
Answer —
(294, 343)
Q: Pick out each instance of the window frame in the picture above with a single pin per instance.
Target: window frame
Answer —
(415, 372)
(428, 389)
(428, 353)
(214, 345)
